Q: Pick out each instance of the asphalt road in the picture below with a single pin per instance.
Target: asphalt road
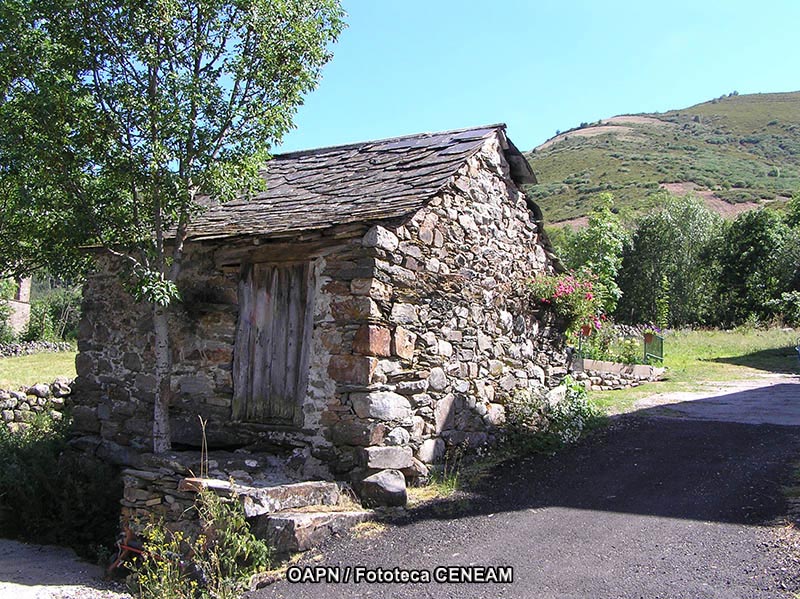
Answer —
(653, 506)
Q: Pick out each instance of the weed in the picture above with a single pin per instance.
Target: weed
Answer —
(216, 563)
(539, 422)
(445, 479)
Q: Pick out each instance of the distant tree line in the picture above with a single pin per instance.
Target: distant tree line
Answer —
(684, 265)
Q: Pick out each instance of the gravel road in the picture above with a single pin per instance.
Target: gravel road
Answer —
(44, 572)
(654, 506)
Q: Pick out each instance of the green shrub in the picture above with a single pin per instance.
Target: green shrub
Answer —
(216, 563)
(787, 306)
(52, 495)
(54, 315)
(605, 343)
(534, 423)
(40, 324)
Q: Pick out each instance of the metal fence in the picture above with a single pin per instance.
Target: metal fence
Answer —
(653, 347)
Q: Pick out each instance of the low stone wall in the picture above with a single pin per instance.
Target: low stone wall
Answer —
(152, 483)
(597, 375)
(19, 407)
(27, 348)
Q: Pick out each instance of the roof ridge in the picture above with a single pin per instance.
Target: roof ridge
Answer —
(357, 144)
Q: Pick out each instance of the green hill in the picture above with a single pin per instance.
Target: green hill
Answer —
(737, 152)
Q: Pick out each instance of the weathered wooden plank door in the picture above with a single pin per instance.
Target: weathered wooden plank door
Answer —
(270, 359)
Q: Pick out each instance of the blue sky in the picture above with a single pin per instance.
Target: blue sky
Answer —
(407, 66)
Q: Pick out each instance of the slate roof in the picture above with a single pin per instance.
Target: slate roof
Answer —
(363, 182)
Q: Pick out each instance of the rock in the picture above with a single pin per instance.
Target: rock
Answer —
(417, 428)
(380, 458)
(495, 415)
(508, 382)
(39, 390)
(445, 348)
(299, 531)
(495, 367)
(556, 395)
(381, 238)
(431, 451)
(420, 400)
(416, 470)
(437, 379)
(357, 433)
(382, 405)
(352, 370)
(403, 343)
(398, 436)
(404, 314)
(412, 387)
(444, 413)
(372, 340)
(484, 341)
(385, 488)
(84, 419)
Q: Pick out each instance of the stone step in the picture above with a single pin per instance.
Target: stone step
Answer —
(258, 501)
(292, 531)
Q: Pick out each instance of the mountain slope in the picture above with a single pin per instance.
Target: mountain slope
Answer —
(737, 151)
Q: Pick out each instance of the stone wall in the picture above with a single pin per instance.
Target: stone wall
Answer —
(450, 334)
(600, 375)
(28, 348)
(19, 407)
(421, 331)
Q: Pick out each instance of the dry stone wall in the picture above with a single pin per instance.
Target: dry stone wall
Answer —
(19, 407)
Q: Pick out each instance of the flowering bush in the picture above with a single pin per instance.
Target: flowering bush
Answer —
(570, 296)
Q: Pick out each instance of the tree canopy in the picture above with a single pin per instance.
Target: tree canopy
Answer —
(117, 115)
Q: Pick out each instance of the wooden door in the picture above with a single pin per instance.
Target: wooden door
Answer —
(270, 359)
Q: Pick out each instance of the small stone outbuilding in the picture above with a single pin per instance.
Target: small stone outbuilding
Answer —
(20, 305)
(363, 313)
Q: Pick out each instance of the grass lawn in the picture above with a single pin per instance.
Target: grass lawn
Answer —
(38, 368)
(695, 357)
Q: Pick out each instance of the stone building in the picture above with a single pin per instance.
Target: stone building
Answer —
(20, 306)
(363, 313)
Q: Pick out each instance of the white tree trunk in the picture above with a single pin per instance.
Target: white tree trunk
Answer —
(161, 435)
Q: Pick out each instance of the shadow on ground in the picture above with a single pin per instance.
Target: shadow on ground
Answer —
(720, 459)
(781, 360)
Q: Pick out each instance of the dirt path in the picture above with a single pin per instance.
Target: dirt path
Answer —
(44, 572)
(654, 506)
(767, 399)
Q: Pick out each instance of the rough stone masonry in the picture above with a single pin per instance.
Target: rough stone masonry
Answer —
(421, 325)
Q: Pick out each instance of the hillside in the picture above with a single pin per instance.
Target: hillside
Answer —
(737, 152)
